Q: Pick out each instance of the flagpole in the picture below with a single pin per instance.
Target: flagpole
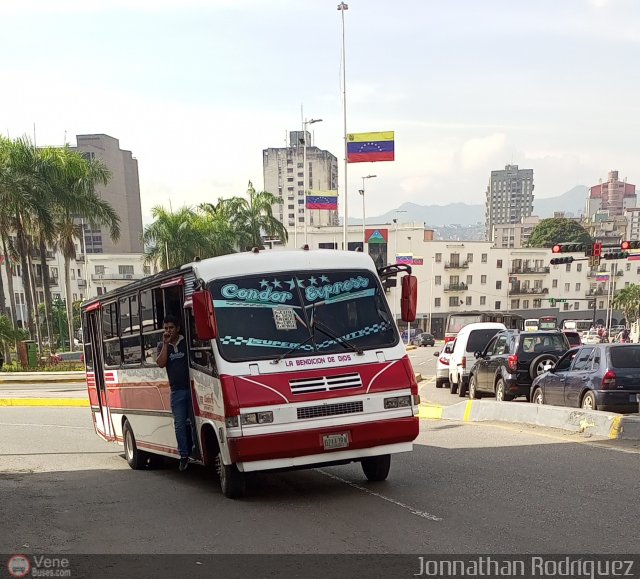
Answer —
(342, 7)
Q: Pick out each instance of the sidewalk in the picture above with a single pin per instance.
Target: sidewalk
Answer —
(40, 377)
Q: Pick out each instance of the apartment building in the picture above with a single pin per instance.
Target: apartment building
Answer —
(509, 197)
(458, 276)
(283, 173)
(632, 215)
(512, 235)
(612, 195)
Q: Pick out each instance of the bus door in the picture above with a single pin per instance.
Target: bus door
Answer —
(95, 375)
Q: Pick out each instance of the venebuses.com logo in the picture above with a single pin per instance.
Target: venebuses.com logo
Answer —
(18, 566)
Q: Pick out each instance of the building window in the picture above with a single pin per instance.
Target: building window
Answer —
(437, 280)
(515, 304)
(468, 300)
(437, 302)
(576, 305)
(438, 257)
(483, 279)
(499, 264)
(469, 257)
(568, 267)
(566, 306)
(99, 269)
(554, 283)
(525, 304)
(498, 285)
(498, 306)
(628, 267)
(453, 301)
(483, 300)
(601, 306)
(289, 179)
(577, 287)
(469, 279)
(579, 267)
(537, 303)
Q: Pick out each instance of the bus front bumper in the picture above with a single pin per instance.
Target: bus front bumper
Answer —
(307, 447)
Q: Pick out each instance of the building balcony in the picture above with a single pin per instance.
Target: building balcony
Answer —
(455, 287)
(595, 292)
(116, 276)
(594, 273)
(80, 257)
(522, 270)
(82, 283)
(526, 291)
(40, 280)
(456, 264)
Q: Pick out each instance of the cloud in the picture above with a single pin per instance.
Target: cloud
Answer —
(481, 152)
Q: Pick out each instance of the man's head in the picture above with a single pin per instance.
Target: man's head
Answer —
(171, 326)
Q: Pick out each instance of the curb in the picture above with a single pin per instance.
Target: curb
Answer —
(410, 347)
(77, 402)
(593, 422)
(41, 377)
(419, 377)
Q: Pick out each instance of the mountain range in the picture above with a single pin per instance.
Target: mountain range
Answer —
(463, 215)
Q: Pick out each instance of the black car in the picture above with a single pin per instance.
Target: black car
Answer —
(424, 340)
(593, 377)
(511, 361)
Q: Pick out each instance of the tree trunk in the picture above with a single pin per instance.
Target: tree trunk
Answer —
(69, 302)
(12, 295)
(47, 288)
(34, 294)
(26, 278)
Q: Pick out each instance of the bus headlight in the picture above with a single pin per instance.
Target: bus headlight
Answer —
(256, 418)
(397, 402)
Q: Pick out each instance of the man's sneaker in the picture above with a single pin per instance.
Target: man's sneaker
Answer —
(184, 463)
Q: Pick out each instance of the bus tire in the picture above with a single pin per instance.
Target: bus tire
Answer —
(232, 481)
(137, 459)
(376, 468)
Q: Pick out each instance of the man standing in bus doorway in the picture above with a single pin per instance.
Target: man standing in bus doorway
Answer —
(172, 355)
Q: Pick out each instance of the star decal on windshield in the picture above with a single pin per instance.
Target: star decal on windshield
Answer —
(292, 283)
(276, 283)
(312, 280)
(264, 283)
(324, 279)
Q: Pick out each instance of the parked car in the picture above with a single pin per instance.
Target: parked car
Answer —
(413, 334)
(591, 337)
(573, 337)
(442, 365)
(424, 339)
(593, 377)
(471, 338)
(67, 357)
(512, 360)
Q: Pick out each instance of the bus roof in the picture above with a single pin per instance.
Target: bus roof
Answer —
(248, 263)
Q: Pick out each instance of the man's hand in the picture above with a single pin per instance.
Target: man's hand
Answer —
(166, 337)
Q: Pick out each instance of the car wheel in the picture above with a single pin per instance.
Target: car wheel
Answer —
(500, 390)
(453, 387)
(462, 388)
(538, 397)
(473, 391)
(440, 382)
(589, 401)
(376, 468)
(541, 364)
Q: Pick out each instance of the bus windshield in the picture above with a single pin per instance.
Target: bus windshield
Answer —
(294, 314)
(458, 321)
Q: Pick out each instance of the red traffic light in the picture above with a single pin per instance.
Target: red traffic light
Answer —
(625, 245)
(557, 249)
(597, 249)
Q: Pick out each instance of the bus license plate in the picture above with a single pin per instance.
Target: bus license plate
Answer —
(332, 441)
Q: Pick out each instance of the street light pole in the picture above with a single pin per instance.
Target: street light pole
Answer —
(304, 170)
(363, 211)
(342, 7)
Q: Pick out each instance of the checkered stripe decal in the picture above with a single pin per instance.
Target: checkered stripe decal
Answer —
(240, 341)
(366, 331)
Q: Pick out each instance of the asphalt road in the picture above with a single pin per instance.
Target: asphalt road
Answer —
(44, 390)
(466, 488)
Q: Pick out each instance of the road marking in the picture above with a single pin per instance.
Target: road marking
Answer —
(43, 402)
(45, 425)
(409, 508)
(615, 427)
(430, 411)
(467, 411)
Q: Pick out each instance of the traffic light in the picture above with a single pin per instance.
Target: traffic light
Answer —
(552, 302)
(561, 260)
(597, 249)
(626, 245)
(616, 255)
(569, 247)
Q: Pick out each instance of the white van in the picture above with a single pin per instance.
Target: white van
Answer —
(531, 325)
(471, 338)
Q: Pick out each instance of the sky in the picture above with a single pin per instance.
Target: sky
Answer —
(196, 89)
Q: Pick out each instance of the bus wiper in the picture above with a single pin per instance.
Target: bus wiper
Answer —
(296, 347)
(331, 334)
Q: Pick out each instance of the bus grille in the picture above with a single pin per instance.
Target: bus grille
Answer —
(325, 383)
(330, 410)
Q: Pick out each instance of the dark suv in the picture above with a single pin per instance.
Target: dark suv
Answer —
(512, 359)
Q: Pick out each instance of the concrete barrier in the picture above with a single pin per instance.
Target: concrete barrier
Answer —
(40, 377)
(594, 422)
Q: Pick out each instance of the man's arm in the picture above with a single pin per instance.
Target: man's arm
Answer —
(163, 356)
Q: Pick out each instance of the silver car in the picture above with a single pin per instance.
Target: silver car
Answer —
(442, 365)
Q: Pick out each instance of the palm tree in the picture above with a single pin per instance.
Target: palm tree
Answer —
(627, 299)
(73, 180)
(216, 222)
(254, 218)
(173, 239)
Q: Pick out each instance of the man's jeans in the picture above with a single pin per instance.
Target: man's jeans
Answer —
(183, 420)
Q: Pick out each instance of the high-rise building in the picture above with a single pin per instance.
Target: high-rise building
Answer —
(122, 193)
(284, 177)
(509, 197)
(613, 196)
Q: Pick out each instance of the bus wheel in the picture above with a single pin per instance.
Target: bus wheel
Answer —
(376, 468)
(137, 459)
(232, 481)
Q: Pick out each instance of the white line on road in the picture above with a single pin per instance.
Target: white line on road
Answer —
(46, 425)
(409, 508)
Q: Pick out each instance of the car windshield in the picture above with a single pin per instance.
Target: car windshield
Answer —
(300, 313)
(544, 343)
(478, 339)
(625, 356)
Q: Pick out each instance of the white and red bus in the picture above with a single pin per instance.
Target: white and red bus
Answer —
(295, 361)
(457, 321)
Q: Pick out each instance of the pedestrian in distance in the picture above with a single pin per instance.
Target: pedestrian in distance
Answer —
(172, 355)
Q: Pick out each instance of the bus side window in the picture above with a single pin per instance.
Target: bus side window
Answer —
(200, 352)
(110, 335)
(151, 318)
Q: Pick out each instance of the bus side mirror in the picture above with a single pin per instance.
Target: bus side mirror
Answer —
(203, 315)
(409, 299)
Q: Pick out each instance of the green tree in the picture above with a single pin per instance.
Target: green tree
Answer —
(551, 231)
(8, 337)
(627, 299)
(253, 218)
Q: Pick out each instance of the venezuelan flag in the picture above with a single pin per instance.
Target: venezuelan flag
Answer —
(370, 147)
(327, 200)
